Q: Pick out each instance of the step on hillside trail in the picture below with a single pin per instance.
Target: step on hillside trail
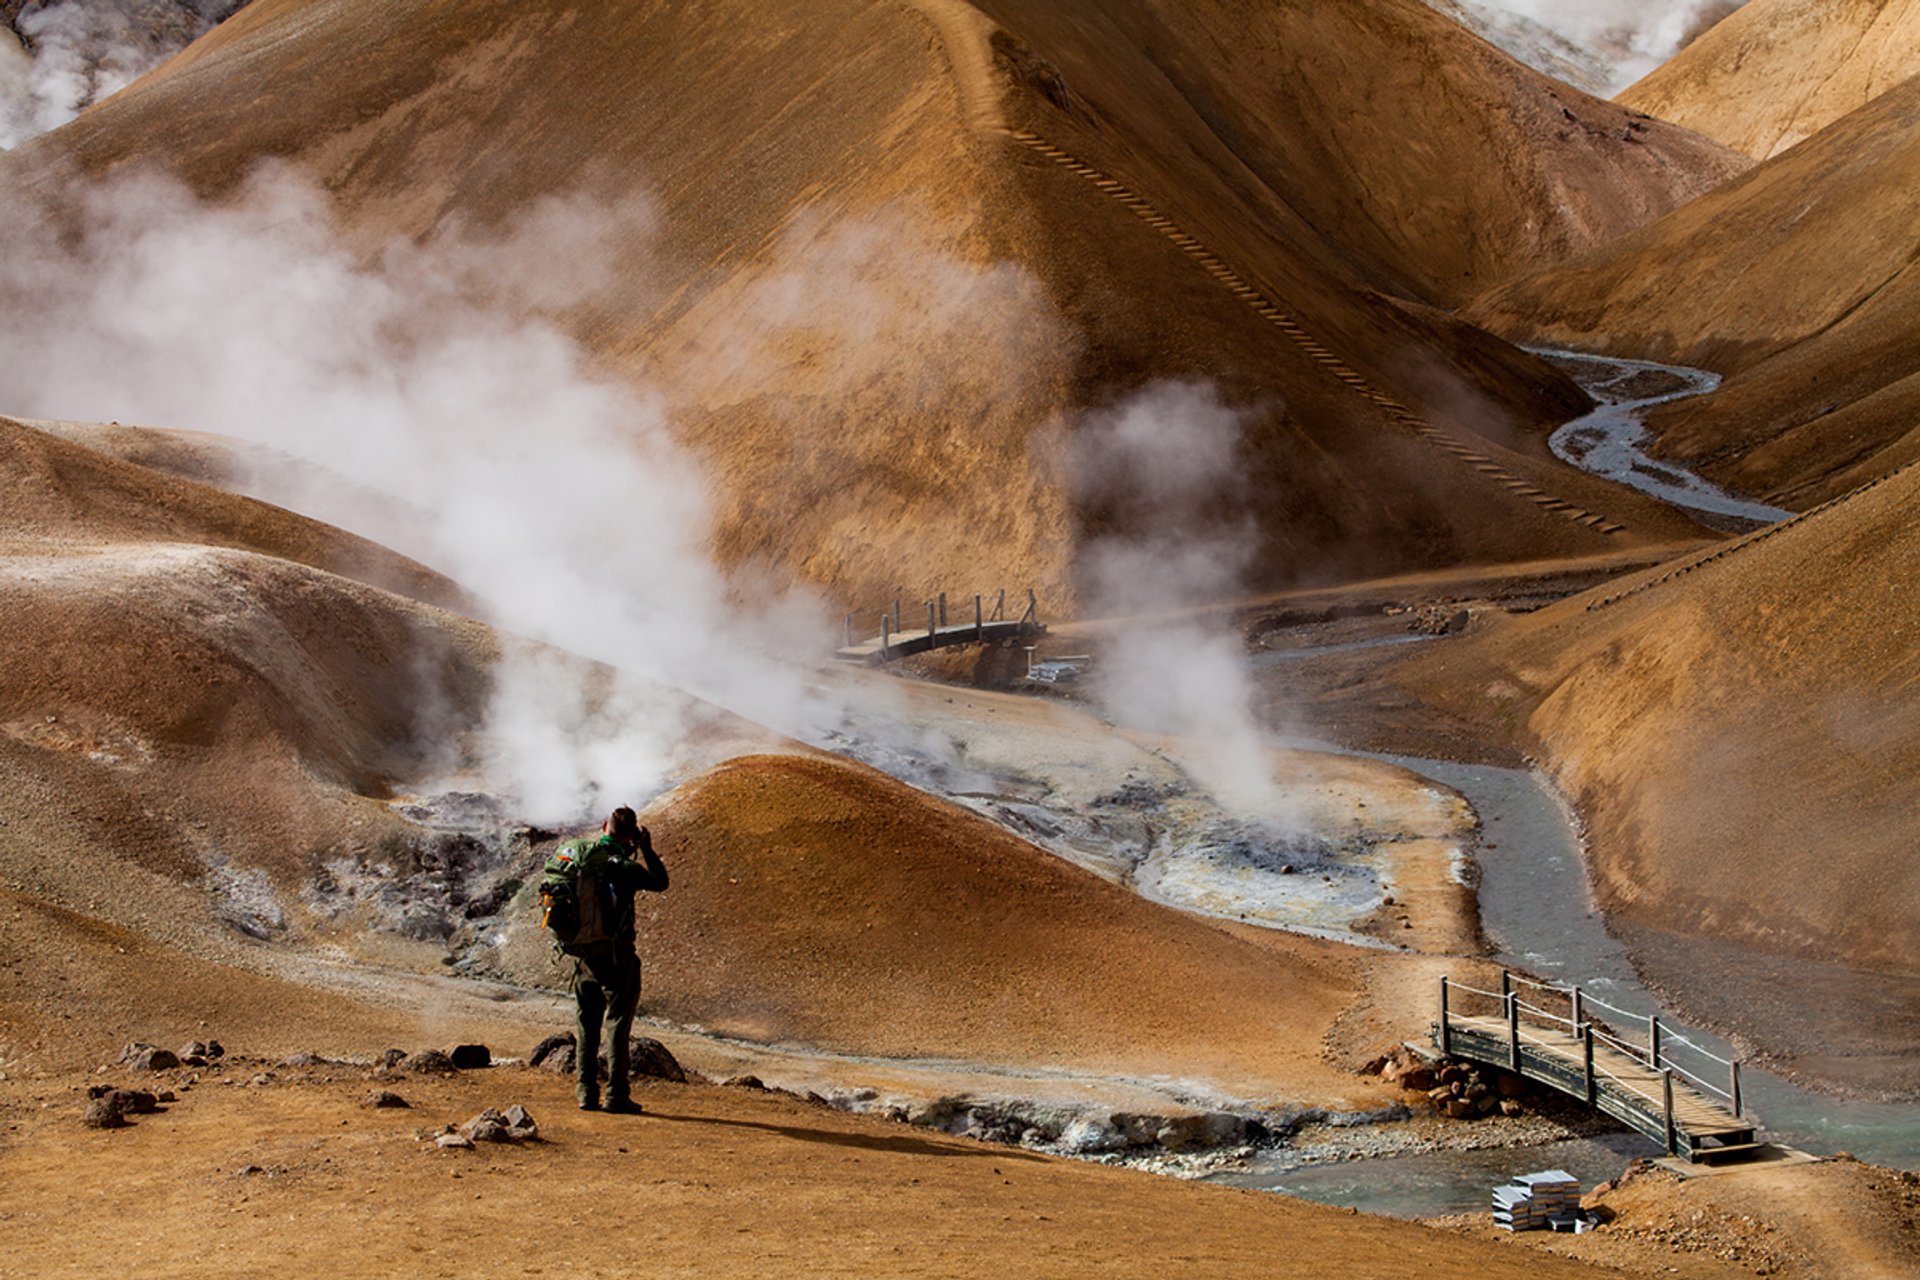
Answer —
(1753, 539)
(1314, 350)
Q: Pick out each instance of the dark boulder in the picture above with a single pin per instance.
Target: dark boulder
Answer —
(470, 1057)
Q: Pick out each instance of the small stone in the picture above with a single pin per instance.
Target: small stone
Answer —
(521, 1124)
(469, 1057)
(453, 1142)
(136, 1102)
(393, 1058)
(384, 1098)
(305, 1058)
(745, 1082)
(264, 1078)
(1511, 1107)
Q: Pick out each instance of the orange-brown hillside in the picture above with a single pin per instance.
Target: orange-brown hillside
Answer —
(1741, 740)
(1796, 280)
(894, 246)
(1776, 72)
(818, 901)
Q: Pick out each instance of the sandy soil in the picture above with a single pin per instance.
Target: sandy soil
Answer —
(296, 1175)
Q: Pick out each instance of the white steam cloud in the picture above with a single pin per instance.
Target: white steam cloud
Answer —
(76, 52)
(433, 375)
(1616, 41)
(1164, 468)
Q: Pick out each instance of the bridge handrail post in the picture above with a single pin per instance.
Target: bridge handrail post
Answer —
(932, 631)
(943, 608)
(849, 631)
(886, 634)
(1513, 1030)
(1000, 607)
(1653, 1040)
(979, 620)
(1666, 1089)
(1737, 1113)
(1586, 1038)
(1576, 1007)
(1446, 1035)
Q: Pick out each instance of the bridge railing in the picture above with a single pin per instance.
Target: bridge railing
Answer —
(989, 614)
(1527, 1003)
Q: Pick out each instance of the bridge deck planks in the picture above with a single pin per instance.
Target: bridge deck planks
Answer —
(1694, 1113)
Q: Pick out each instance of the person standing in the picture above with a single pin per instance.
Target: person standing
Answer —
(607, 872)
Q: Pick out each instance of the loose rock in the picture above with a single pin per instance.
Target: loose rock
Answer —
(105, 1113)
(384, 1098)
(428, 1062)
(146, 1057)
(648, 1057)
(548, 1047)
(454, 1142)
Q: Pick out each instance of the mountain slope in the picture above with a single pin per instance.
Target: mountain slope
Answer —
(1741, 740)
(871, 308)
(1797, 281)
(1779, 71)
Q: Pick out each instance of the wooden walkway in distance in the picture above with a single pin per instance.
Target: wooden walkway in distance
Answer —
(892, 642)
(1643, 1087)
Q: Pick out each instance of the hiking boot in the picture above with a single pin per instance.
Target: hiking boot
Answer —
(625, 1107)
(589, 1104)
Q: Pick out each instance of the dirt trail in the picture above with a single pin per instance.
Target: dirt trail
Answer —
(965, 33)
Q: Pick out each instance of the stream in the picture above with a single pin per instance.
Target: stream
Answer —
(1608, 441)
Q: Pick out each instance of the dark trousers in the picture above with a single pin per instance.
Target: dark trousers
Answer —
(605, 987)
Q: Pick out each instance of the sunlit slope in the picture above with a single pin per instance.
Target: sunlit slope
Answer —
(1778, 71)
(1742, 739)
(1798, 281)
(874, 301)
(819, 901)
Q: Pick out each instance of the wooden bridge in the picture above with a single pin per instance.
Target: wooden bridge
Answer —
(1603, 1063)
(939, 633)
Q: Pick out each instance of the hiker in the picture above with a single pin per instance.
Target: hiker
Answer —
(605, 873)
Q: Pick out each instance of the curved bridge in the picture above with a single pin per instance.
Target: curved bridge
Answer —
(1617, 1062)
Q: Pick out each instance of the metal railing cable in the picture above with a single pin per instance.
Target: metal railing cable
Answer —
(1669, 1036)
(1594, 1000)
(1698, 1083)
(1537, 1011)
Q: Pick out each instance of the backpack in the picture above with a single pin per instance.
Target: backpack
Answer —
(576, 902)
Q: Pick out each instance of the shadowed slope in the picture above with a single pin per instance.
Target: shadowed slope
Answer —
(872, 310)
(1778, 71)
(1798, 281)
